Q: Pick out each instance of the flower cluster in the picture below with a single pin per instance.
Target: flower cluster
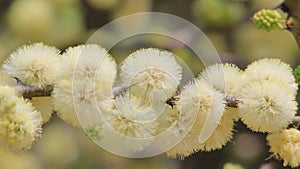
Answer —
(83, 81)
(202, 107)
(263, 108)
(37, 65)
(150, 69)
(286, 145)
(34, 64)
(20, 123)
(268, 20)
(146, 105)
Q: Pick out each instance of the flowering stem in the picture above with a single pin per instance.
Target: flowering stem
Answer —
(28, 91)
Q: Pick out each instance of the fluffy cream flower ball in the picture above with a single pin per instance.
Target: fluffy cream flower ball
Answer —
(286, 145)
(267, 106)
(271, 70)
(88, 73)
(35, 64)
(227, 78)
(150, 69)
(20, 124)
(203, 125)
(224, 77)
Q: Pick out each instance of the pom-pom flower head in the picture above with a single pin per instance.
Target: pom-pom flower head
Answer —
(286, 145)
(92, 81)
(268, 20)
(136, 136)
(35, 64)
(203, 105)
(126, 124)
(20, 124)
(228, 79)
(225, 77)
(273, 71)
(151, 69)
(63, 102)
(94, 65)
(267, 106)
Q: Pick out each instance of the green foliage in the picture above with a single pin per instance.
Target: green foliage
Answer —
(218, 13)
(296, 73)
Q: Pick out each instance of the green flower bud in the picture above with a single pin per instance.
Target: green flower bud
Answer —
(268, 20)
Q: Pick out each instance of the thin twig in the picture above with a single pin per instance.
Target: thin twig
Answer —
(31, 91)
(296, 120)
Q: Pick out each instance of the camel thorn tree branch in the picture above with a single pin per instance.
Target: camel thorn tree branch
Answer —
(28, 91)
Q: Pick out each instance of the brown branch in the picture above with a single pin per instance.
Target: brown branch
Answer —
(31, 91)
(296, 120)
(231, 101)
(294, 11)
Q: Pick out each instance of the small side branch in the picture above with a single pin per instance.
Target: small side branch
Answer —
(296, 120)
(231, 101)
(31, 91)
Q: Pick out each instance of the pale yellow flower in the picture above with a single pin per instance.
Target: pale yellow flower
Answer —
(286, 145)
(227, 78)
(267, 106)
(89, 90)
(129, 126)
(35, 64)
(201, 123)
(150, 69)
(20, 124)
(224, 77)
(8, 98)
(271, 70)
(63, 102)
(221, 135)
(68, 60)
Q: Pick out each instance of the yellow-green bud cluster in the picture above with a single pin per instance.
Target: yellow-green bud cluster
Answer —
(268, 20)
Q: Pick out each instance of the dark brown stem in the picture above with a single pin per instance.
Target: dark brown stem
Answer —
(296, 120)
(293, 7)
(31, 91)
(231, 101)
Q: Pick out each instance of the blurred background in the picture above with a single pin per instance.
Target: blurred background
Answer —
(65, 23)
